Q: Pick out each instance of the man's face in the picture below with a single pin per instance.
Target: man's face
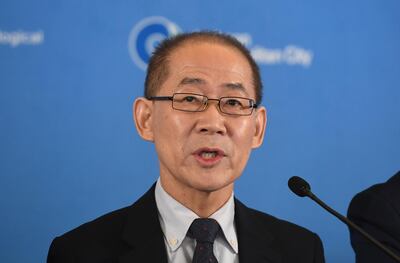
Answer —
(204, 151)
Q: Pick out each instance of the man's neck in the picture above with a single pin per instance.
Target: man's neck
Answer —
(202, 203)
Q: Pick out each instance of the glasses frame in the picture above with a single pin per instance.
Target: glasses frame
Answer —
(253, 104)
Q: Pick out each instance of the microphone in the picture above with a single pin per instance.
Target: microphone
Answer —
(300, 187)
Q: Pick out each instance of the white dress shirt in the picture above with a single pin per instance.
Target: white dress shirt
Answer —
(176, 219)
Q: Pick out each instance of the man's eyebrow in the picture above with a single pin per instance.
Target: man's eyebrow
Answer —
(234, 86)
(187, 80)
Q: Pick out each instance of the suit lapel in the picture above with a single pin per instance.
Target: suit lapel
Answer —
(142, 232)
(255, 241)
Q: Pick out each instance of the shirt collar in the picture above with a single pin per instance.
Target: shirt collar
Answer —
(175, 219)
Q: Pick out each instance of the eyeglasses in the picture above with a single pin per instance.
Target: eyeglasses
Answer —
(192, 102)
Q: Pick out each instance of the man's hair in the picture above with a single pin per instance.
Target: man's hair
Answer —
(158, 68)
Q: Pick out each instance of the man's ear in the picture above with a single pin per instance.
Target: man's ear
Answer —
(261, 124)
(142, 116)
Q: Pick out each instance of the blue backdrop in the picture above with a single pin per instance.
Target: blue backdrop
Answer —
(70, 70)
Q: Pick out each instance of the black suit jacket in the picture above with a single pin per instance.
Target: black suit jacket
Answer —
(133, 234)
(377, 211)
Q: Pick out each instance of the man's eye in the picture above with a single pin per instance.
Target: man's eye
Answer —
(233, 103)
(189, 99)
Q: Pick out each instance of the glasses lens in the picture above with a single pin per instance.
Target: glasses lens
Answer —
(236, 106)
(188, 102)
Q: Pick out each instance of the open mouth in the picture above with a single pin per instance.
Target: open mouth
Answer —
(209, 156)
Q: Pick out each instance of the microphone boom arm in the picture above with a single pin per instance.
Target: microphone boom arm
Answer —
(301, 188)
(353, 226)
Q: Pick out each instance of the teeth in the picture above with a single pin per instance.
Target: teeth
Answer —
(208, 155)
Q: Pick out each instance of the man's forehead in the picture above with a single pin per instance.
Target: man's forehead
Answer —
(199, 82)
(204, 71)
(208, 76)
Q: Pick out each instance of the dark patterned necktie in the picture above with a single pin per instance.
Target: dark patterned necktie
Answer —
(204, 230)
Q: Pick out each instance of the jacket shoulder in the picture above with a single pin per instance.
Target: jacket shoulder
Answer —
(105, 225)
(97, 238)
(102, 238)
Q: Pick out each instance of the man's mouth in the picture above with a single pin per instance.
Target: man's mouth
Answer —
(208, 156)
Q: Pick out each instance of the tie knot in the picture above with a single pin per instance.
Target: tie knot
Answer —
(204, 230)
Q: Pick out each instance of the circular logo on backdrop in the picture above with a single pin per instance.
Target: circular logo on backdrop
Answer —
(146, 35)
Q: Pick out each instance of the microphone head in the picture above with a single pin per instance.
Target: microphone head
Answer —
(299, 186)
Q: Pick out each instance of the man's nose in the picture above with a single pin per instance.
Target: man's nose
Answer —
(211, 120)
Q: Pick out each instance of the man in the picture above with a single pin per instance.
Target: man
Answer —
(377, 211)
(201, 110)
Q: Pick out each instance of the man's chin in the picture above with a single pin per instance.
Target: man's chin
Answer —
(213, 187)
